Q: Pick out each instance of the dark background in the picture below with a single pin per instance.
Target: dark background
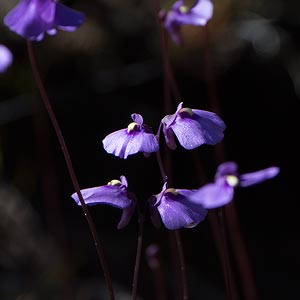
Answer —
(95, 78)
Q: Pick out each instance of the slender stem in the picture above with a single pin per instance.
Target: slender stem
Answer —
(230, 213)
(226, 260)
(213, 219)
(170, 86)
(219, 237)
(185, 293)
(170, 81)
(161, 167)
(138, 257)
(70, 168)
(239, 247)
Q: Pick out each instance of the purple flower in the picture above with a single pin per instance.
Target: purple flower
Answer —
(6, 58)
(180, 15)
(192, 127)
(175, 209)
(137, 137)
(115, 194)
(221, 192)
(32, 18)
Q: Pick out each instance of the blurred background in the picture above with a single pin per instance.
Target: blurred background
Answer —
(95, 78)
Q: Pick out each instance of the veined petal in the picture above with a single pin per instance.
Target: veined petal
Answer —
(121, 143)
(189, 133)
(149, 143)
(213, 195)
(114, 194)
(177, 211)
(211, 125)
(257, 177)
(193, 128)
(116, 143)
(141, 142)
(107, 194)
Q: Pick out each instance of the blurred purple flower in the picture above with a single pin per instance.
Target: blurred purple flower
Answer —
(137, 137)
(192, 127)
(32, 18)
(114, 194)
(175, 209)
(221, 192)
(6, 58)
(180, 15)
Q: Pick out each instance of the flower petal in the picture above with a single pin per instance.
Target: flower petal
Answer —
(66, 18)
(169, 120)
(121, 143)
(259, 176)
(149, 143)
(137, 118)
(227, 168)
(202, 12)
(211, 125)
(116, 143)
(32, 18)
(178, 211)
(111, 195)
(25, 18)
(213, 195)
(170, 138)
(126, 215)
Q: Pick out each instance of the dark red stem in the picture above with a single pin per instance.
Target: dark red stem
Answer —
(87, 215)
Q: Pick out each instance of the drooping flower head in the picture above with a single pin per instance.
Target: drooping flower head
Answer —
(115, 194)
(180, 15)
(227, 178)
(6, 58)
(32, 18)
(175, 209)
(137, 137)
(192, 127)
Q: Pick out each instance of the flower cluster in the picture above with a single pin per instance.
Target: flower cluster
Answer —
(175, 208)
(192, 128)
